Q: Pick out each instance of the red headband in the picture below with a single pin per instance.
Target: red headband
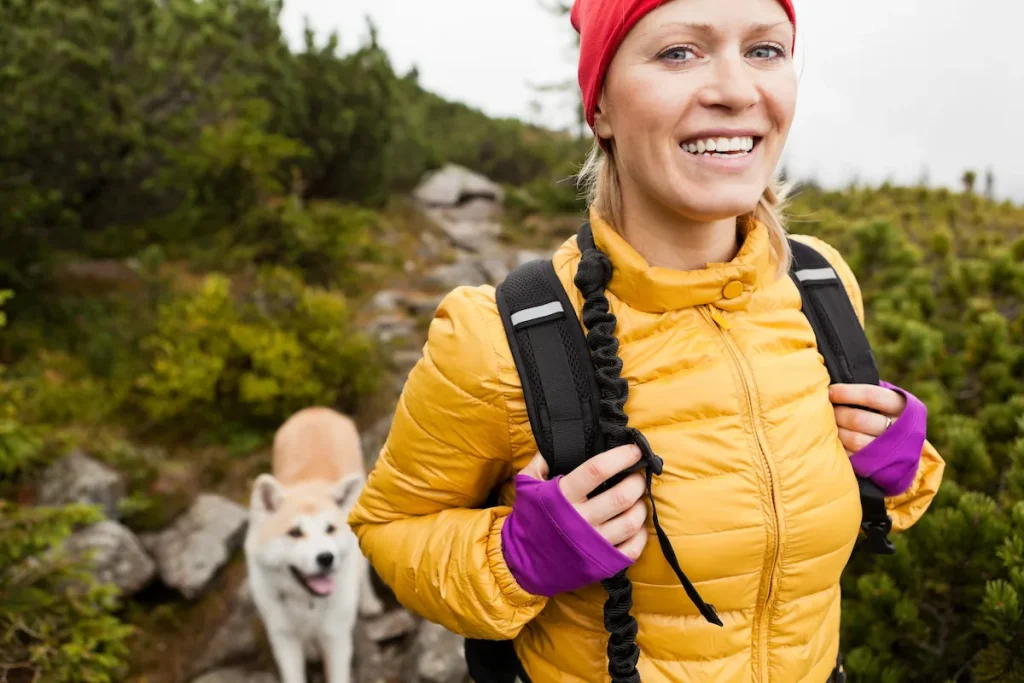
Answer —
(602, 25)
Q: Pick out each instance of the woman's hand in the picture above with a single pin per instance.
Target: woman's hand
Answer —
(859, 427)
(619, 513)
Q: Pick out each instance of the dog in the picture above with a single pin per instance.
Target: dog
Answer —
(309, 579)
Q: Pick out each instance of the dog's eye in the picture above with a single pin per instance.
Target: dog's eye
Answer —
(330, 528)
(295, 532)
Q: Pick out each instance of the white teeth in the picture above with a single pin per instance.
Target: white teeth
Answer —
(740, 145)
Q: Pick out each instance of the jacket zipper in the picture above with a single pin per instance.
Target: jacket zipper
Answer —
(715, 318)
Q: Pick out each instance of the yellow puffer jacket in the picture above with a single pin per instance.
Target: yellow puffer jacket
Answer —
(757, 494)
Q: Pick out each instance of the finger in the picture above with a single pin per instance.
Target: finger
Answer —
(536, 468)
(614, 501)
(869, 396)
(858, 420)
(854, 441)
(624, 527)
(581, 481)
(634, 546)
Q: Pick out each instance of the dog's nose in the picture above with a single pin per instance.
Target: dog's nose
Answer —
(325, 559)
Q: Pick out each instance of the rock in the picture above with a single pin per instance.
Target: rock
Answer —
(391, 326)
(236, 675)
(373, 438)
(77, 478)
(437, 656)
(198, 543)
(453, 184)
(237, 636)
(495, 267)
(525, 255)
(431, 247)
(386, 300)
(406, 359)
(452, 275)
(390, 625)
(469, 234)
(117, 554)
(421, 305)
(380, 647)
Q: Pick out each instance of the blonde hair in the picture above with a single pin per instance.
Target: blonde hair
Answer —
(599, 180)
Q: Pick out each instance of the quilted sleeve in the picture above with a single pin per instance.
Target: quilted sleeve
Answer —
(419, 519)
(908, 507)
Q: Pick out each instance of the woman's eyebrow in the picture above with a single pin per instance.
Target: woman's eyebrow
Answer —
(709, 29)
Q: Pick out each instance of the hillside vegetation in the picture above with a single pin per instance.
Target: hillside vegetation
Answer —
(194, 216)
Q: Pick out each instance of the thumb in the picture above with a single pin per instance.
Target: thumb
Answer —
(536, 468)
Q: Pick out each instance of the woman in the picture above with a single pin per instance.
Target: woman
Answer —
(690, 102)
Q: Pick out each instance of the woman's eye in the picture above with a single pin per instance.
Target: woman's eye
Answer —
(766, 52)
(678, 54)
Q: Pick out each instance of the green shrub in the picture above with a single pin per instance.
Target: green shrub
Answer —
(218, 360)
(50, 628)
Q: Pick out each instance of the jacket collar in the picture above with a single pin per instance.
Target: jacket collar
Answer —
(656, 289)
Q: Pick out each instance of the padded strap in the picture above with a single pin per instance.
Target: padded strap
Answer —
(553, 363)
(844, 345)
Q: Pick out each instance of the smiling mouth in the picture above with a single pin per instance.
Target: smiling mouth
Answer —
(318, 585)
(721, 147)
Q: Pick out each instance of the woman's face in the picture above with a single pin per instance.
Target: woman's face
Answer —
(699, 99)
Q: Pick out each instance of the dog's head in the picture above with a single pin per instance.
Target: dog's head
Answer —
(303, 529)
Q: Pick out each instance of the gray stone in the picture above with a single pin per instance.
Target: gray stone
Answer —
(198, 543)
(237, 636)
(437, 656)
(452, 275)
(468, 234)
(421, 305)
(373, 438)
(452, 184)
(406, 359)
(117, 555)
(390, 625)
(77, 478)
(495, 267)
(386, 300)
(525, 255)
(236, 675)
(391, 327)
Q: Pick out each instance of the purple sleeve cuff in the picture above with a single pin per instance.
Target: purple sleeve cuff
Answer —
(892, 459)
(549, 547)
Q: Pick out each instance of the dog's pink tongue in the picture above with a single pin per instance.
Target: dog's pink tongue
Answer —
(321, 585)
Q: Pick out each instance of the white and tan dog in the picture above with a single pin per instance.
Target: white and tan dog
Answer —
(308, 576)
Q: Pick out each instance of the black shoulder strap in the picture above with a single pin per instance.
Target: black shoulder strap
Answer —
(844, 345)
(551, 355)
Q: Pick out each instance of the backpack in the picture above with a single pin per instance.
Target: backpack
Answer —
(560, 388)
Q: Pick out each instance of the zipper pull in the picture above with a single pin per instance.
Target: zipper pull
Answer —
(719, 319)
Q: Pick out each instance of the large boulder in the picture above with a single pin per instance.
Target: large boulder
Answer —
(116, 555)
(77, 478)
(453, 185)
(437, 656)
(198, 543)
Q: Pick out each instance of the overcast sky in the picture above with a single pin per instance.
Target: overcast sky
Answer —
(888, 89)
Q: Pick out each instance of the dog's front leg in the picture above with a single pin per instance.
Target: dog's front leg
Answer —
(288, 653)
(337, 657)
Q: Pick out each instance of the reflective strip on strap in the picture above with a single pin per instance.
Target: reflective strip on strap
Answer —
(816, 274)
(528, 314)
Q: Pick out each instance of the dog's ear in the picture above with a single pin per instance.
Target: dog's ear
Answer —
(347, 490)
(266, 494)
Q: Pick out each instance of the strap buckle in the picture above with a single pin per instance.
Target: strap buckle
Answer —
(877, 533)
